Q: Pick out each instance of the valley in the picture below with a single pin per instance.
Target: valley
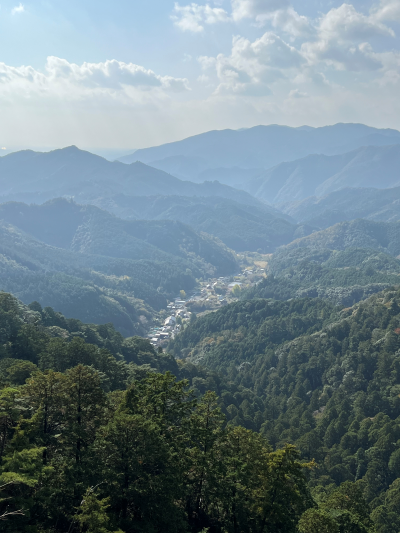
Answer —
(209, 296)
(172, 314)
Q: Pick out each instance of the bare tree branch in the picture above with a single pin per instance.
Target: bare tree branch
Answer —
(7, 514)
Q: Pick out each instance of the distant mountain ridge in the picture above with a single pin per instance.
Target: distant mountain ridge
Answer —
(318, 175)
(240, 226)
(346, 204)
(37, 177)
(258, 147)
(380, 236)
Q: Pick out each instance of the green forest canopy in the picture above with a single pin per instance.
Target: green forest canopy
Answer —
(94, 438)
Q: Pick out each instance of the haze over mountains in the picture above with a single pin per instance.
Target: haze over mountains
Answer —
(318, 175)
(261, 147)
(96, 267)
(163, 220)
(346, 204)
(40, 176)
(279, 275)
(239, 225)
(232, 206)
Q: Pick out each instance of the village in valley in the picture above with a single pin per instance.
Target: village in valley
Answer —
(209, 296)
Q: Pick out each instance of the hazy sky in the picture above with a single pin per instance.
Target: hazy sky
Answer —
(129, 74)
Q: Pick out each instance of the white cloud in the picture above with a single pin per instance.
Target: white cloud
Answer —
(342, 40)
(295, 93)
(290, 22)
(278, 13)
(345, 22)
(71, 81)
(206, 62)
(271, 50)
(256, 9)
(388, 10)
(193, 17)
(252, 66)
(17, 9)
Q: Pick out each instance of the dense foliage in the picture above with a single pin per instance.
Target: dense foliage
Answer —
(95, 442)
(323, 379)
(360, 233)
(242, 226)
(343, 277)
(74, 274)
(149, 459)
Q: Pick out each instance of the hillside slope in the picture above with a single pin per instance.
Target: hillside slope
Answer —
(346, 204)
(241, 227)
(36, 177)
(88, 229)
(91, 265)
(342, 277)
(325, 379)
(259, 147)
(381, 236)
(318, 175)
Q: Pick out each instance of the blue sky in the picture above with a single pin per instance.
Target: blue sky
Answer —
(121, 75)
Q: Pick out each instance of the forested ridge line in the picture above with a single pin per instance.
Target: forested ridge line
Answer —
(323, 378)
(94, 438)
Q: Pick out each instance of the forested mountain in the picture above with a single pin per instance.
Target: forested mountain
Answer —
(346, 204)
(259, 147)
(92, 437)
(89, 287)
(88, 229)
(318, 175)
(324, 378)
(39, 176)
(98, 268)
(381, 236)
(343, 277)
(141, 450)
(286, 418)
(240, 226)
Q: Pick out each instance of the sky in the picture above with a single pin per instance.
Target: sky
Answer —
(121, 75)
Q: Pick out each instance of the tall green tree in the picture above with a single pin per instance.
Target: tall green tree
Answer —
(137, 468)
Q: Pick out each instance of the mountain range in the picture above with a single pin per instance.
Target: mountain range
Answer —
(241, 226)
(40, 176)
(315, 175)
(89, 264)
(240, 220)
(380, 236)
(346, 204)
(261, 147)
(304, 350)
(319, 175)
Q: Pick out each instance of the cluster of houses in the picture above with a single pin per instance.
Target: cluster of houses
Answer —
(159, 336)
(212, 294)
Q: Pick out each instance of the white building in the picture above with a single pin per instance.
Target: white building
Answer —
(170, 321)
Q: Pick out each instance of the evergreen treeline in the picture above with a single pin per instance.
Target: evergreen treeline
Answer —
(93, 439)
(149, 459)
(343, 277)
(324, 379)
